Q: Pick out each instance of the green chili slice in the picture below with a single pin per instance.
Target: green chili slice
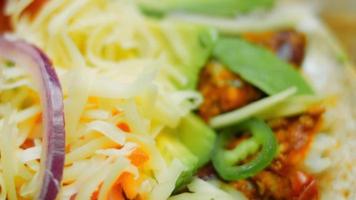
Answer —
(226, 162)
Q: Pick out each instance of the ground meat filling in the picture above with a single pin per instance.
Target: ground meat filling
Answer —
(289, 45)
(283, 180)
(224, 91)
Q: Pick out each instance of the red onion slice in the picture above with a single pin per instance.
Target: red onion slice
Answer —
(53, 142)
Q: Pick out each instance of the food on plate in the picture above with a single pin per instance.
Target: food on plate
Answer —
(147, 99)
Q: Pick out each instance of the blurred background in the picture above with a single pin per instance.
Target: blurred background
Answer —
(340, 16)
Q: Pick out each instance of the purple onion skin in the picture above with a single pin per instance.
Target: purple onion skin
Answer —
(53, 142)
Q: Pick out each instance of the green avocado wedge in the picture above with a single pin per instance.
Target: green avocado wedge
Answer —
(172, 148)
(192, 143)
(197, 137)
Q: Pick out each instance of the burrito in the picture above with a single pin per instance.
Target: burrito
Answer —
(173, 99)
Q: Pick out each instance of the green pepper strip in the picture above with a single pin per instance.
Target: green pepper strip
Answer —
(225, 160)
(259, 67)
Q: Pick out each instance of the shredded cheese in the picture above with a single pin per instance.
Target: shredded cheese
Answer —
(118, 97)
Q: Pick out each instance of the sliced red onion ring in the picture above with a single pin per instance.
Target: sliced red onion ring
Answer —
(53, 142)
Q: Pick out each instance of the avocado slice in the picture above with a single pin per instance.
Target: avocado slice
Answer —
(197, 137)
(172, 148)
(208, 7)
(191, 143)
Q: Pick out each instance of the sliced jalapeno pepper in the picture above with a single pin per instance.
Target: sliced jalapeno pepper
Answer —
(226, 161)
